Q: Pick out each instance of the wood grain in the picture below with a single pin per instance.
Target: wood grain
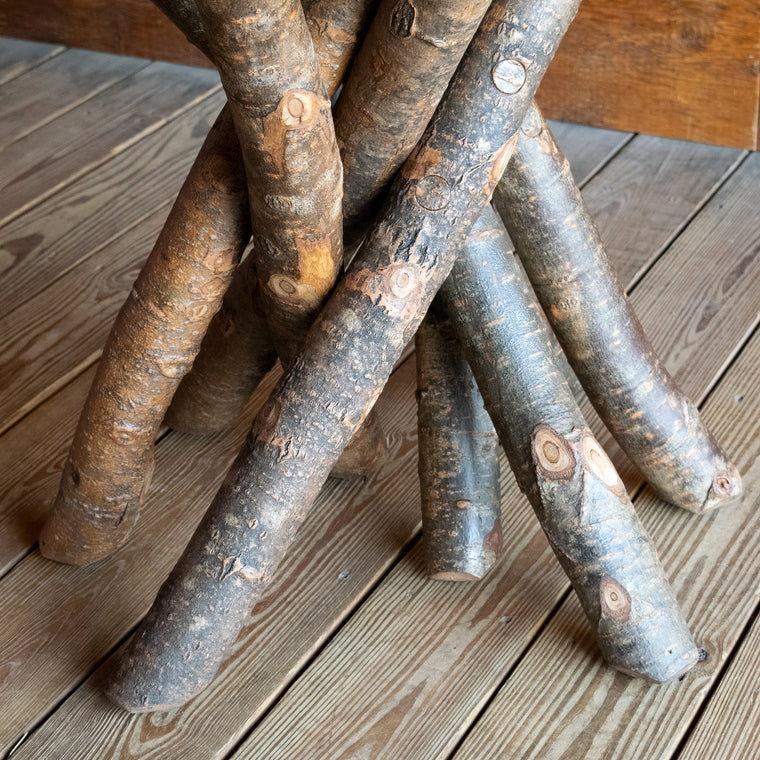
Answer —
(35, 166)
(18, 56)
(586, 711)
(56, 86)
(41, 341)
(127, 27)
(420, 642)
(643, 200)
(729, 729)
(87, 215)
(686, 69)
(375, 527)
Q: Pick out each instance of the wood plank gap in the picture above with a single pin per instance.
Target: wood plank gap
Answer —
(109, 155)
(30, 731)
(50, 390)
(12, 72)
(74, 102)
(720, 182)
(722, 672)
(483, 707)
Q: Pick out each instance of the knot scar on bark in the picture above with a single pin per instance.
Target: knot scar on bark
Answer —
(267, 418)
(615, 600)
(298, 108)
(553, 455)
(596, 461)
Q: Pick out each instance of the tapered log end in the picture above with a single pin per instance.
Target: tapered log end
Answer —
(79, 532)
(726, 487)
(366, 450)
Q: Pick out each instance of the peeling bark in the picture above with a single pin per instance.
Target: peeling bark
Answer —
(459, 459)
(574, 488)
(346, 360)
(652, 420)
(151, 345)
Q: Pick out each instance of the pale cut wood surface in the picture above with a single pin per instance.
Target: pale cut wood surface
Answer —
(435, 656)
(43, 244)
(729, 729)
(35, 166)
(49, 90)
(559, 703)
(18, 56)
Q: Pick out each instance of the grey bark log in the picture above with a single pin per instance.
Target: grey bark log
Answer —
(575, 490)
(653, 421)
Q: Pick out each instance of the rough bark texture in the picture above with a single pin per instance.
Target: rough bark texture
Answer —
(152, 343)
(347, 358)
(571, 483)
(559, 245)
(284, 123)
(399, 75)
(208, 399)
(459, 458)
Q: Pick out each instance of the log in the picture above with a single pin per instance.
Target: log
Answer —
(347, 357)
(234, 353)
(152, 343)
(572, 485)
(398, 78)
(458, 458)
(558, 243)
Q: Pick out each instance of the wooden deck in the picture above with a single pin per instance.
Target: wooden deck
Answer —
(352, 653)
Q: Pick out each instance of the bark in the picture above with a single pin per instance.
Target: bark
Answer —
(400, 74)
(208, 399)
(459, 458)
(284, 123)
(346, 360)
(571, 483)
(559, 245)
(152, 343)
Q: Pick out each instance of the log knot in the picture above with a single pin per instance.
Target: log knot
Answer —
(553, 454)
(615, 599)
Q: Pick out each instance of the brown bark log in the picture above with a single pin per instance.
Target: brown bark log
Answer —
(559, 245)
(152, 343)
(233, 358)
(208, 399)
(346, 360)
(284, 123)
(400, 74)
(459, 458)
(571, 483)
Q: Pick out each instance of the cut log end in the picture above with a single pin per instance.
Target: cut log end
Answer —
(455, 576)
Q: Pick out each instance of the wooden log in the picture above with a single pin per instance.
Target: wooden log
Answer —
(233, 357)
(574, 488)
(347, 357)
(154, 339)
(398, 78)
(458, 458)
(652, 420)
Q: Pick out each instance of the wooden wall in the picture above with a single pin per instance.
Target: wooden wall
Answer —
(678, 68)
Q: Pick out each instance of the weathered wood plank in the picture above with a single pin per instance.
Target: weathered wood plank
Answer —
(654, 187)
(559, 703)
(32, 455)
(354, 532)
(56, 86)
(729, 729)
(46, 242)
(18, 56)
(39, 164)
(421, 642)
(57, 330)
